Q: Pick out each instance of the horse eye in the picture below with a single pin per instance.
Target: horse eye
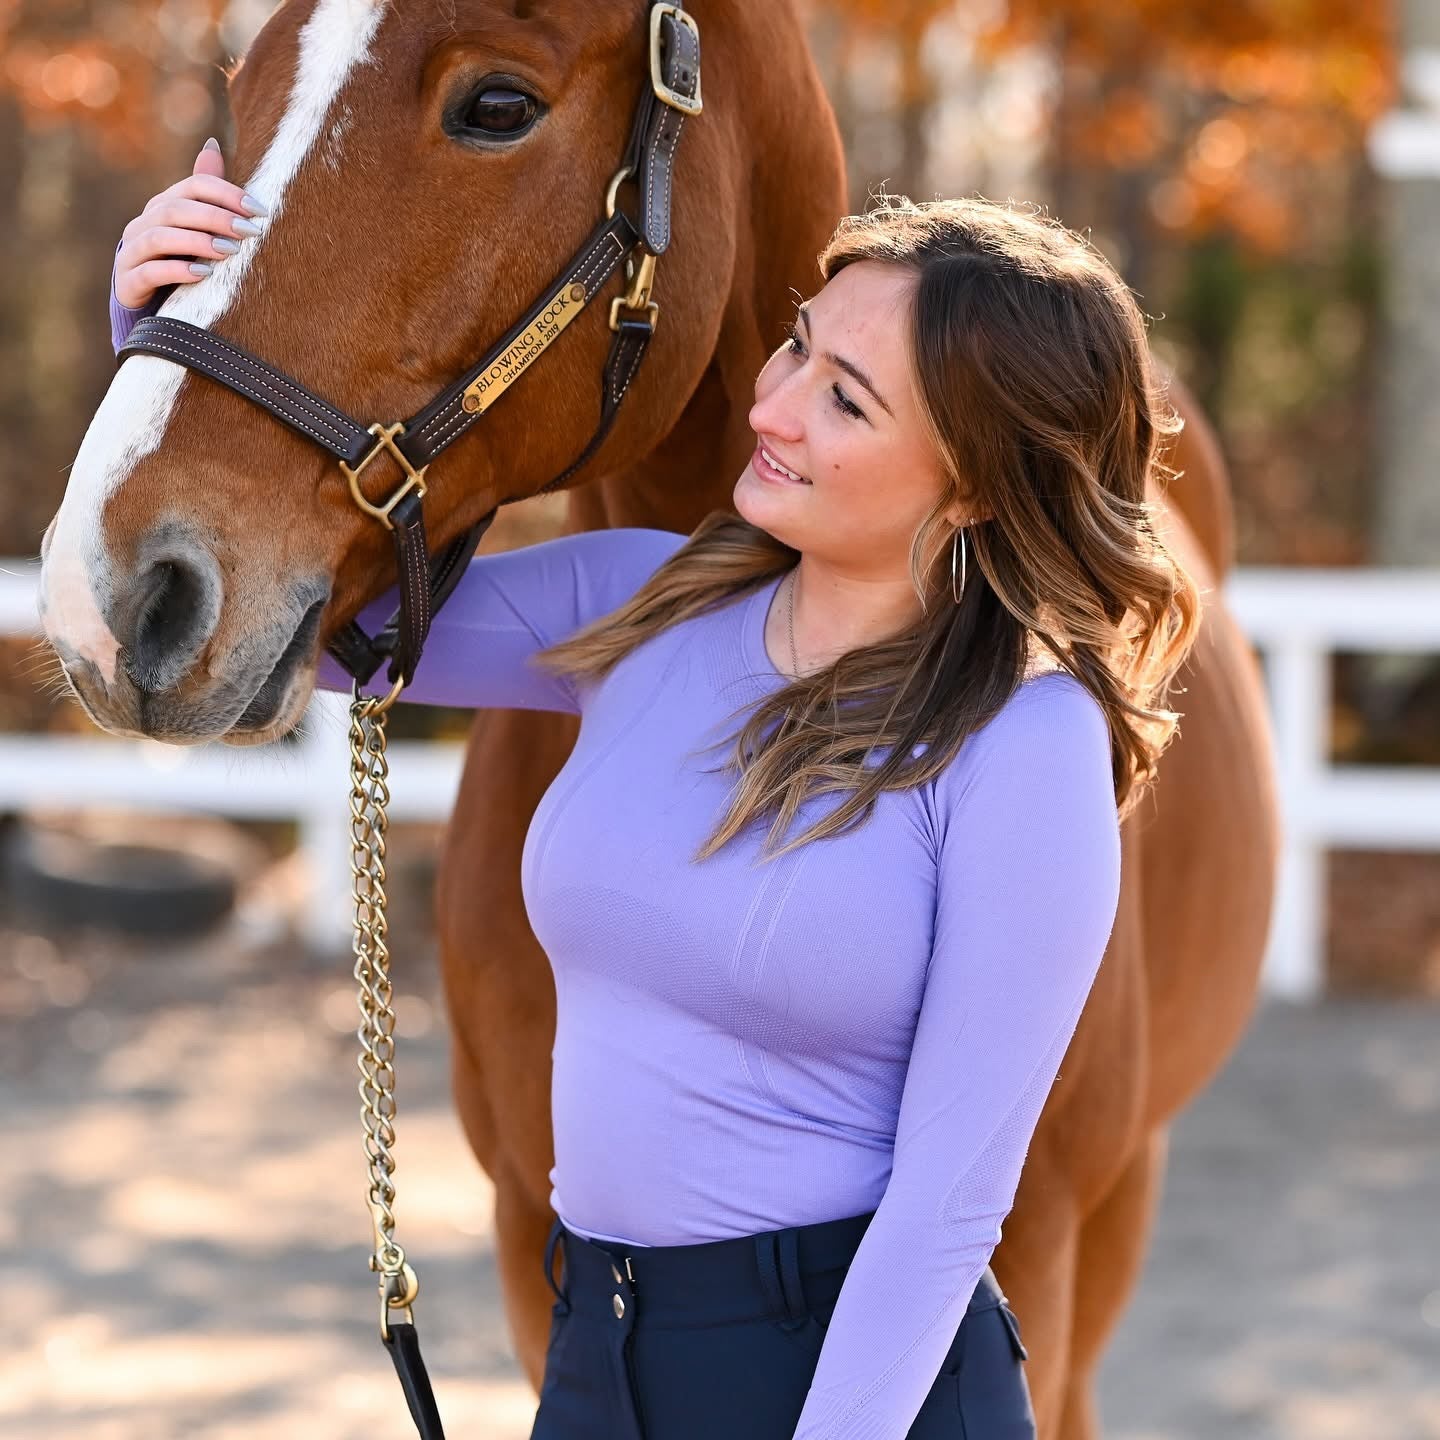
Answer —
(501, 112)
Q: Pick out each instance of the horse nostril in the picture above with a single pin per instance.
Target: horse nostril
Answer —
(175, 610)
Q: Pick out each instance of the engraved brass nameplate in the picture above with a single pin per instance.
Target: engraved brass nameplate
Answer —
(562, 307)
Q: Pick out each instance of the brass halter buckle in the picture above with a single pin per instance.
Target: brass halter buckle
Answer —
(673, 98)
(415, 479)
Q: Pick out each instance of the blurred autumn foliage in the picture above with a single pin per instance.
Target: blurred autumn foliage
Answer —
(126, 72)
(100, 106)
(1219, 111)
(1225, 109)
(1214, 151)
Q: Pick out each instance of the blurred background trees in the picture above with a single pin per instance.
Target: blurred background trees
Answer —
(1215, 153)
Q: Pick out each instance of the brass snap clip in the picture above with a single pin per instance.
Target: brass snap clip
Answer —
(637, 297)
(398, 1289)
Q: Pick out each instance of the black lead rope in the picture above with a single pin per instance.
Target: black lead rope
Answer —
(404, 1347)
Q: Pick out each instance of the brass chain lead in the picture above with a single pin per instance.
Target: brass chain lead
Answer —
(369, 796)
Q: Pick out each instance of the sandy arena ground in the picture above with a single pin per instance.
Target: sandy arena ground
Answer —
(185, 1235)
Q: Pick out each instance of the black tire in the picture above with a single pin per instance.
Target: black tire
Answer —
(67, 880)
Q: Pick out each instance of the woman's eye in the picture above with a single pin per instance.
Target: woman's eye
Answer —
(501, 112)
(845, 404)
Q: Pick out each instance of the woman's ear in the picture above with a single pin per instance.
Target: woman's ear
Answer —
(959, 514)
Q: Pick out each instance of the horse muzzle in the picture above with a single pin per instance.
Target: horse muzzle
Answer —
(168, 678)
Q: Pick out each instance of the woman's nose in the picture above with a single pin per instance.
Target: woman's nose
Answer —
(776, 412)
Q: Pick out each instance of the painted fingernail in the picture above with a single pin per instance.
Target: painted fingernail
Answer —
(245, 227)
(201, 268)
(253, 205)
(211, 144)
(224, 246)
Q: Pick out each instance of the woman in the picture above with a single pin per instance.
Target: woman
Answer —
(829, 873)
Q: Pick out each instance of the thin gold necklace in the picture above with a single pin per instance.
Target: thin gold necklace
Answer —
(790, 619)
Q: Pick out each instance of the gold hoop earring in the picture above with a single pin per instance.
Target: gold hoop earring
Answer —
(958, 539)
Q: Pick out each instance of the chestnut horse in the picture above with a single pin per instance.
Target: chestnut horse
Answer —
(396, 251)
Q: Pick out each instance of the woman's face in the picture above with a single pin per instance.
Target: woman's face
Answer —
(835, 405)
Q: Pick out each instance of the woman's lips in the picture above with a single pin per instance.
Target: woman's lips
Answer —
(766, 471)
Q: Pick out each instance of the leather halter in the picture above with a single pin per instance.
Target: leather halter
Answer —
(671, 93)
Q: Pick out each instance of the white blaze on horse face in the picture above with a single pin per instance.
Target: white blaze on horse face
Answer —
(135, 413)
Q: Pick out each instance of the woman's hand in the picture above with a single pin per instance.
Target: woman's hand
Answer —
(183, 231)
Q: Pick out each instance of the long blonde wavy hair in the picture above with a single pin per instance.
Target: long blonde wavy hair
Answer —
(1032, 367)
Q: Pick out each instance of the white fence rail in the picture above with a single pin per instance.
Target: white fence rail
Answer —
(1297, 618)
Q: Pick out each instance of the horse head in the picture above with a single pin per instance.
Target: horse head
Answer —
(429, 172)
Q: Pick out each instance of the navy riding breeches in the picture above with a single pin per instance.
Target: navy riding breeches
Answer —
(721, 1339)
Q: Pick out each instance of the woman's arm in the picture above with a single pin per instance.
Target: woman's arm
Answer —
(507, 606)
(1029, 880)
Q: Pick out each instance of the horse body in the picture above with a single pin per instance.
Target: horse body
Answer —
(174, 584)
(1175, 989)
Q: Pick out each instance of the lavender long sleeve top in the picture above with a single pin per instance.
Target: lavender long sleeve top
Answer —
(872, 1022)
